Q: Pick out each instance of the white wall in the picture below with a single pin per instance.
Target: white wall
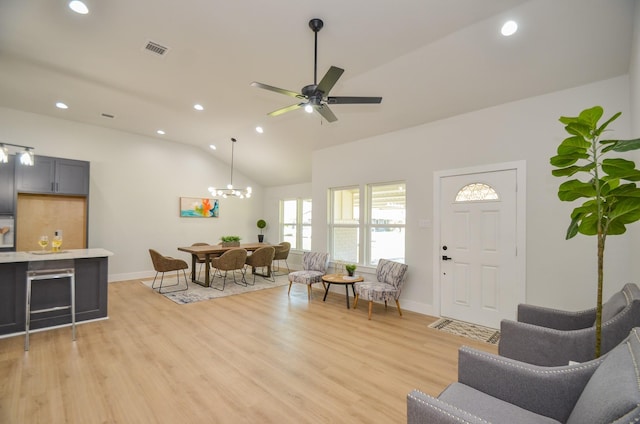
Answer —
(136, 183)
(559, 273)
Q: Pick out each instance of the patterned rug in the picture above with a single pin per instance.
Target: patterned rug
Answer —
(197, 293)
(465, 329)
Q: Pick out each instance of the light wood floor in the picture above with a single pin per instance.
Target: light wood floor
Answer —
(260, 357)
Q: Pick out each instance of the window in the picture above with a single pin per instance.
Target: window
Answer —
(387, 206)
(295, 223)
(378, 231)
(475, 192)
(345, 223)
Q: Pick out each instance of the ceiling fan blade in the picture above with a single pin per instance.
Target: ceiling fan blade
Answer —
(345, 100)
(330, 79)
(277, 90)
(286, 109)
(326, 113)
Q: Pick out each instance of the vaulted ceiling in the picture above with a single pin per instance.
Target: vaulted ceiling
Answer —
(428, 59)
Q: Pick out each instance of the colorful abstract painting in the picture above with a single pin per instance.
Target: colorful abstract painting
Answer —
(195, 207)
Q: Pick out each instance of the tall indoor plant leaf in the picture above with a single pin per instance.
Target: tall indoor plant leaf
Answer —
(611, 196)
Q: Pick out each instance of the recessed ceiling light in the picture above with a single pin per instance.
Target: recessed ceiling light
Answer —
(509, 28)
(78, 7)
(212, 147)
(161, 132)
(61, 105)
(259, 130)
(198, 107)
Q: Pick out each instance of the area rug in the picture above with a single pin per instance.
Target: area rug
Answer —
(465, 329)
(197, 293)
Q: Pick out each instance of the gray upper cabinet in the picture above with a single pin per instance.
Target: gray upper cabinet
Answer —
(54, 175)
(7, 193)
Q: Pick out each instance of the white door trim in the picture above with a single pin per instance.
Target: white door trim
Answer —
(521, 197)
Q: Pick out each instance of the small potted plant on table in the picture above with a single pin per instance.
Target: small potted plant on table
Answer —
(230, 241)
(350, 268)
(261, 224)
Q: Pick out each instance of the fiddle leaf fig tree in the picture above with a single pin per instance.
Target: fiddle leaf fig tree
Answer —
(611, 197)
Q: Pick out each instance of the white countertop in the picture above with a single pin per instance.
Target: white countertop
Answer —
(34, 256)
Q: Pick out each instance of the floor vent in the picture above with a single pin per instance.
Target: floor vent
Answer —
(156, 48)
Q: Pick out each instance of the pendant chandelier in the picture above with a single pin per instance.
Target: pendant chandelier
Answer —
(230, 191)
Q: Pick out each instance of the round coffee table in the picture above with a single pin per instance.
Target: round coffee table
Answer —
(345, 280)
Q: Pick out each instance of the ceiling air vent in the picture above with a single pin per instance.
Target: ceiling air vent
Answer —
(156, 48)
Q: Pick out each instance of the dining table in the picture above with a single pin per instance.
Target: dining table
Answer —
(212, 251)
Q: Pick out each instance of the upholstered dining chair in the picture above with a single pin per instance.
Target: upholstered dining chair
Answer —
(163, 264)
(390, 276)
(262, 258)
(314, 266)
(282, 253)
(202, 258)
(231, 260)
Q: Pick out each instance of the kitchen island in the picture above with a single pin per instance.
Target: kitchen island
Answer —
(91, 272)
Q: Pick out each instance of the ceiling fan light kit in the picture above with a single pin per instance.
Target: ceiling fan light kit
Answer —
(316, 96)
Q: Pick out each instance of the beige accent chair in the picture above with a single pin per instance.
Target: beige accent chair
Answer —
(314, 266)
(262, 258)
(232, 260)
(164, 264)
(390, 277)
(282, 253)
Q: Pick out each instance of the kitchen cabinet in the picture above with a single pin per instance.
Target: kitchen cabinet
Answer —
(53, 175)
(7, 189)
(91, 271)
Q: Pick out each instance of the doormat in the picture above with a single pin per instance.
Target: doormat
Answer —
(198, 293)
(465, 329)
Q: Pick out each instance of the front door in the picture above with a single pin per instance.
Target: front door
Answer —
(479, 280)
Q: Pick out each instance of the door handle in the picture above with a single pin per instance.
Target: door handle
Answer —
(446, 258)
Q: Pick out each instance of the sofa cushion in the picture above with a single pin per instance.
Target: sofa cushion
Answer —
(488, 408)
(613, 392)
(613, 306)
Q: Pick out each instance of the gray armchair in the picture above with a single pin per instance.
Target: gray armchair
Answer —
(493, 389)
(550, 337)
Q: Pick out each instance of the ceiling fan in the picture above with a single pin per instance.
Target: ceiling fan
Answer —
(316, 96)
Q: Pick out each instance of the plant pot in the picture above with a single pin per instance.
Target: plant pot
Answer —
(260, 238)
(350, 273)
(230, 244)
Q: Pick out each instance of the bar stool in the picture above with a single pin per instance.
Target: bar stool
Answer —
(63, 269)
